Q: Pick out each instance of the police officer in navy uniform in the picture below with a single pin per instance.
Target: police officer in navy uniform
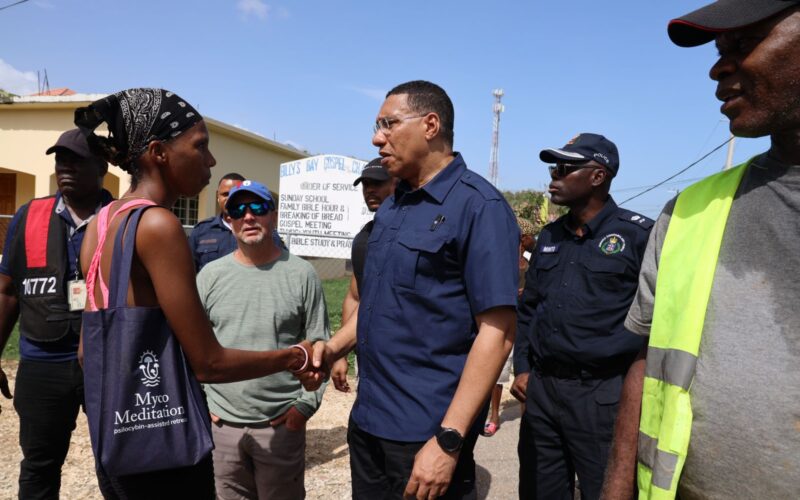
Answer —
(212, 238)
(572, 351)
(40, 284)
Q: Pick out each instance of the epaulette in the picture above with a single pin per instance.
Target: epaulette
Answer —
(636, 219)
(481, 185)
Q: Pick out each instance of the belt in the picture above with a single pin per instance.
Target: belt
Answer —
(251, 425)
(559, 369)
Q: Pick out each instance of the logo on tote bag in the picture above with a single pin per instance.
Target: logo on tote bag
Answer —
(148, 364)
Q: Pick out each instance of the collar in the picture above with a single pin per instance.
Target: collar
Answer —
(222, 222)
(61, 206)
(441, 184)
(591, 227)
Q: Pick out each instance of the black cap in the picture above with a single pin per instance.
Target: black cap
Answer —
(584, 148)
(373, 170)
(703, 25)
(73, 140)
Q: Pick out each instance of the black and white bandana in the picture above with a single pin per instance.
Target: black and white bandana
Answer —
(134, 118)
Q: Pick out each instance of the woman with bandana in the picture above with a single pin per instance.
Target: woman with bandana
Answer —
(162, 142)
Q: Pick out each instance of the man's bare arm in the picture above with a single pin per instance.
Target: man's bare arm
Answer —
(433, 467)
(9, 313)
(351, 300)
(620, 477)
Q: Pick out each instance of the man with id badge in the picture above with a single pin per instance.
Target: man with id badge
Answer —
(41, 285)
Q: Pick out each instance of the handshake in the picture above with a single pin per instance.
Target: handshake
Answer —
(314, 363)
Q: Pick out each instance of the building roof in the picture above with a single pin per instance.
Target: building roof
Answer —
(71, 101)
(59, 91)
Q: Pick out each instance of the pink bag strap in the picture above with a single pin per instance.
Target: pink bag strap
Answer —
(103, 221)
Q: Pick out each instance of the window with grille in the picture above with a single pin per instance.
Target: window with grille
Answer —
(186, 210)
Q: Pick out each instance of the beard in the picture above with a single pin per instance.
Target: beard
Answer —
(252, 239)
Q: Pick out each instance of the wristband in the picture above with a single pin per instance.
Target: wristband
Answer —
(305, 361)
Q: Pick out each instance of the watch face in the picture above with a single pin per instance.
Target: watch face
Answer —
(449, 440)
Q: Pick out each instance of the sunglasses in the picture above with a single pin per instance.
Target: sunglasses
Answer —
(564, 169)
(256, 208)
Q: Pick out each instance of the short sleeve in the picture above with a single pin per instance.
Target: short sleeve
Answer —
(640, 315)
(5, 264)
(491, 257)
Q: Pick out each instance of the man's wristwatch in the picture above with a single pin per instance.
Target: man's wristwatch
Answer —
(450, 440)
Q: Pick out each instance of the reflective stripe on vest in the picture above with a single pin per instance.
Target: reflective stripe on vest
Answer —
(36, 231)
(686, 270)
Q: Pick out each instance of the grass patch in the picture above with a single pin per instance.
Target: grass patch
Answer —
(335, 291)
(12, 347)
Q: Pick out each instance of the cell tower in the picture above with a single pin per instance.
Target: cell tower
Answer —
(497, 109)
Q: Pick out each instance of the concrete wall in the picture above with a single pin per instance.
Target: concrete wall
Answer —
(28, 129)
(25, 135)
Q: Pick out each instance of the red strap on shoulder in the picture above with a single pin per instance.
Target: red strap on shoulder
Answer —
(37, 226)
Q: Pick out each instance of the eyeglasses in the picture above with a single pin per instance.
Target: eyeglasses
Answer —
(564, 169)
(256, 208)
(385, 124)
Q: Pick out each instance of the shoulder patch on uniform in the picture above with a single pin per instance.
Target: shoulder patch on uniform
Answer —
(481, 185)
(636, 219)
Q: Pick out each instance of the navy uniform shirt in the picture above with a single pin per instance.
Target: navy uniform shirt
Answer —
(437, 257)
(358, 254)
(65, 348)
(210, 240)
(578, 290)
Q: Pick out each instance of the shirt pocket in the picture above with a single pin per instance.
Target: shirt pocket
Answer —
(420, 260)
(604, 274)
(545, 267)
(207, 252)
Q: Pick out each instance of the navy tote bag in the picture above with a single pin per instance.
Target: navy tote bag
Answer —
(145, 408)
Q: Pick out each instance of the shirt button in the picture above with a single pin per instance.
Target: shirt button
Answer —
(369, 308)
(572, 262)
(564, 284)
(558, 306)
(379, 274)
(555, 330)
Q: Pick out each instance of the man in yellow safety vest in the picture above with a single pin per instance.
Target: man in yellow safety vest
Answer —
(710, 410)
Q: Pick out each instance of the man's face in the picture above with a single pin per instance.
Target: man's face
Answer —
(223, 191)
(253, 229)
(759, 76)
(78, 177)
(403, 145)
(577, 183)
(375, 192)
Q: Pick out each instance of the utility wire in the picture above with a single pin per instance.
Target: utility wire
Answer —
(679, 172)
(13, 4)
(637, 188)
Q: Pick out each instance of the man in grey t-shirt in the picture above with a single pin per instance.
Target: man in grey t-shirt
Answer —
(745, 434)
(260, 297)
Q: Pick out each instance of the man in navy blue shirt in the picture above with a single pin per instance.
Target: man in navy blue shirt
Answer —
(40, 284)
(436, 316)
(212, 238)
(572, 350)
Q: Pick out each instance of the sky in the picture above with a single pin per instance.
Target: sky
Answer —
(313, 74)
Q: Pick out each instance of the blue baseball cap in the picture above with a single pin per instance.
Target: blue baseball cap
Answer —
(254, 187)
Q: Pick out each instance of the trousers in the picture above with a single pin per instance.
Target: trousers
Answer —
(380, 468)
(47, 398)
(566, 430)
